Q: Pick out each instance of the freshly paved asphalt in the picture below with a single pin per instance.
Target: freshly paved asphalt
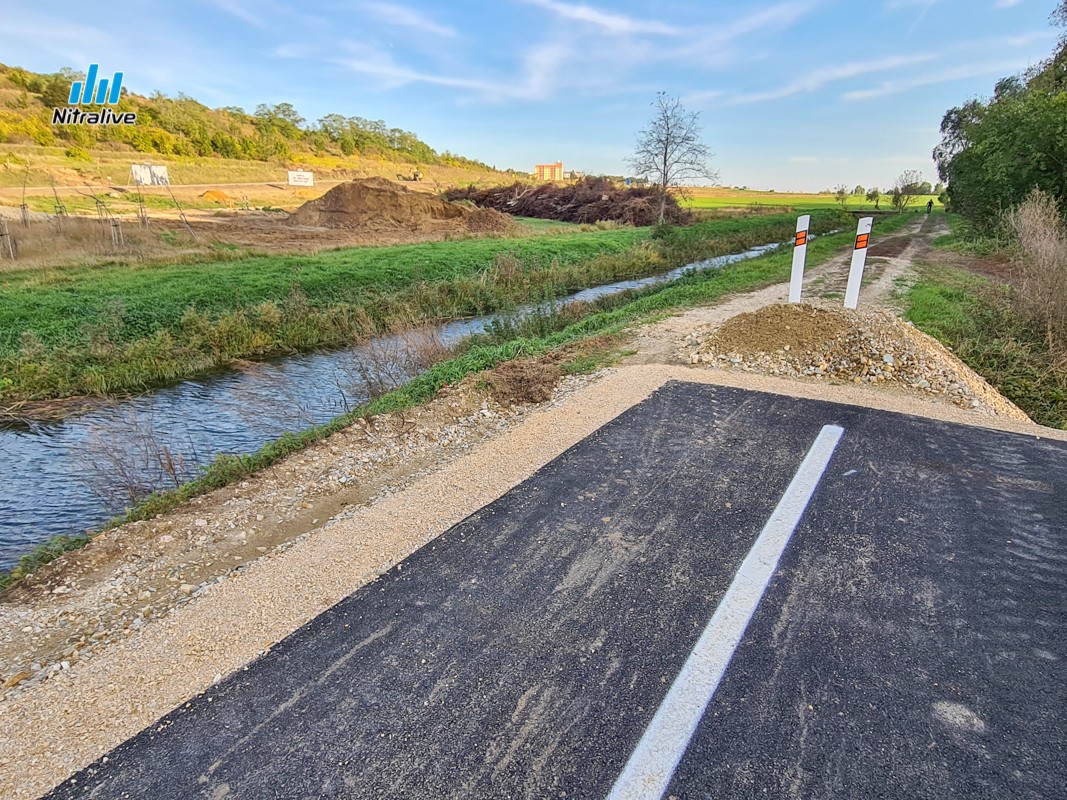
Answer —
(910, 645)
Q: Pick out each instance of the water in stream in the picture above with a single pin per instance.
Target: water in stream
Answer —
(73, 475)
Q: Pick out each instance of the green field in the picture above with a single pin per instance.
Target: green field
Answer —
(116, 329)
(737, 198)
(588, 324)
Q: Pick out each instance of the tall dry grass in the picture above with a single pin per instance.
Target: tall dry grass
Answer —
(123, 471)
(1040, 267)
(75, 240)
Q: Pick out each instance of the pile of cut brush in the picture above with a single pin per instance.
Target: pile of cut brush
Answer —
(589, 200)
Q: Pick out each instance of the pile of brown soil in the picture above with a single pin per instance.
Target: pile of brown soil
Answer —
(870, 346)
(377, 204)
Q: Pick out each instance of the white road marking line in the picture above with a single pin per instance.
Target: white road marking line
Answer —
(651, 766)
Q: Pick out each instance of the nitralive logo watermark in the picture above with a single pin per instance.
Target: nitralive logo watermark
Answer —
(91, 93)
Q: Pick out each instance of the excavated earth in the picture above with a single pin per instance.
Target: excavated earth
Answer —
(824, 342)
(375, 204)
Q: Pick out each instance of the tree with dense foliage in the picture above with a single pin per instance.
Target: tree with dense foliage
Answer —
(181, 126)
(670, 149)
(906, 189)
(874, 194)
(993, 153)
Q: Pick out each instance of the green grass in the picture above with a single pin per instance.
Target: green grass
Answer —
(801, 202)
(974, 240)
(974, 318)
(546, 224)
(55, 305)
(117, 329)
(609, 317)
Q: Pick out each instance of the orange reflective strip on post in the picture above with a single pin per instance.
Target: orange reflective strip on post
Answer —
(802, 238)
(861, 240)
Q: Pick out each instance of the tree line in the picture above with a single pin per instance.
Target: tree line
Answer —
(995, 152)
(181, 126)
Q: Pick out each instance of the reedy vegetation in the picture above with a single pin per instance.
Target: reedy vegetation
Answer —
(115, 330)
(564, 327)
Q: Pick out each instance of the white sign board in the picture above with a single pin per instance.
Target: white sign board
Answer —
(149, 175)
(299, 177)
(859, 259)
(800, 255)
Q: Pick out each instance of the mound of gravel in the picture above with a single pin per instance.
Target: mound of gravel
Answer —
(867, 346)
(376, 204)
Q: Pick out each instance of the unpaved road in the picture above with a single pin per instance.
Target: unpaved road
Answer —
(118, 635)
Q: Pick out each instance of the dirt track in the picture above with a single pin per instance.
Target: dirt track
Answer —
(104, 642)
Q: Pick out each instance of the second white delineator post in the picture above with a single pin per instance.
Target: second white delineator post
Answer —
(859, 260)
(800, 255)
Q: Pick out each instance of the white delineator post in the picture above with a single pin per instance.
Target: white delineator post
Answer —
(859, 260)
(800, 256)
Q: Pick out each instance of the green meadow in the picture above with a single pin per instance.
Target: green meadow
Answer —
(119, 329)
(739, 198)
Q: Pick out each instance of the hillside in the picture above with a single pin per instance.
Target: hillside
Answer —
(184, 130)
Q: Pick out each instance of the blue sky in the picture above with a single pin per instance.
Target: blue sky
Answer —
(793, 94)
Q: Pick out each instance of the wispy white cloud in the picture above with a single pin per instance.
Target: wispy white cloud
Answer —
(535, 80)
(932, 78)
(701, 98)
(819, 78)
(1006, 3)
(720, 45)
(606, 21)
(1025, 39)
(74, 43)
(237, 9)
(268, 15)
(403, 17)
(898, 5)
(579, 54)
(924, 7)
(777, 17)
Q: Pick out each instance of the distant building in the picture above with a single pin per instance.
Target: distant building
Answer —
(549, 172)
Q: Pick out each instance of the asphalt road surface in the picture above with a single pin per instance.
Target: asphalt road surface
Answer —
(909, 643)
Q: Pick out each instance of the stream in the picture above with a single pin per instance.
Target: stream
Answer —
(69, 476)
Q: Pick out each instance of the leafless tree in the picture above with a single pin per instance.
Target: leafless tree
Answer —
(670, 149)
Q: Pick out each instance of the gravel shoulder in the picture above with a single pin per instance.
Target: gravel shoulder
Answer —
(104, 642)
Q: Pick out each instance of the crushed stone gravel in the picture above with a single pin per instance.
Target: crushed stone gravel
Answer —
(824, 342)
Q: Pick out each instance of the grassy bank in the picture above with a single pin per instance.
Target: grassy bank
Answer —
(974, 317)
(118, 329)
(538, 336)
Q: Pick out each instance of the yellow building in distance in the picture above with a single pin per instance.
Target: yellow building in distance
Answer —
(549, 172)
